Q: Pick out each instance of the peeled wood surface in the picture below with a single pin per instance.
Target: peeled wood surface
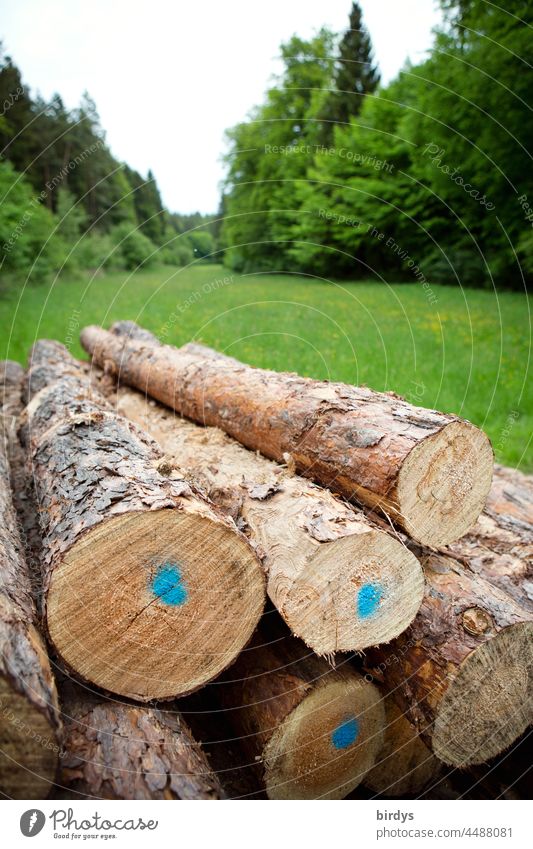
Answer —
(463, 671)
(500, 545)
(113, 750)
(405, 766)
(340, 583)
(314, 731)
(430, 472)
(28, 701)
(148, 591)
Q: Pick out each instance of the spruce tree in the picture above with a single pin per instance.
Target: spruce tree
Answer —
(355, 75)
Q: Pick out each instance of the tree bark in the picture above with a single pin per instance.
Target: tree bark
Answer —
(428, 471)
(340, 583)
(148, 591)
(500, 545)
(314, 731)
(405, 766)
(463, 671)
(113, 750)
(29, 721)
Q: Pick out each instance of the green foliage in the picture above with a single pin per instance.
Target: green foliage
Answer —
(68, 204)
(269, 155)
(431, 172)
(177, 249)
(203, 244)
(135, 249)
(30, 246)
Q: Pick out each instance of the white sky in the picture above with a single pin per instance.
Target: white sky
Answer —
(169, 77)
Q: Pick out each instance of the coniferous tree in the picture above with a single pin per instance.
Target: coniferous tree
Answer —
(355, 76)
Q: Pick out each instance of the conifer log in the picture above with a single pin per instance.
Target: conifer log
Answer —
(314, 731)
(405, 766)
(463, 671)
(29, 721)
(428, 471)
(340, 583)
(148, 591)
(114, 750)
(500, 545)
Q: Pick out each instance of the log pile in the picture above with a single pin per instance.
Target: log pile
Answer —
(372, 525)
(29, 714)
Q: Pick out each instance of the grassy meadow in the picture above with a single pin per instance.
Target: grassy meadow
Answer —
(468, 353)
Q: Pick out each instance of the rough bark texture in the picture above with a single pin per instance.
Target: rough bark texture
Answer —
(314, 731)
(500, 545)
(463, 671)
(322, 558)
(113, 750)
(405, 766)
(102, 501)
(430, 472)
(29, 721)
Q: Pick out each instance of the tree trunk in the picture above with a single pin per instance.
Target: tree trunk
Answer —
(340, 583)
(314, 731)
(29, 721)
(125, 751)
(405, 765)
(463, 671)
(148, 591)
(500, 545)
(429, 472)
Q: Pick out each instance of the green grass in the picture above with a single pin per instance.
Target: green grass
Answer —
(467, 354)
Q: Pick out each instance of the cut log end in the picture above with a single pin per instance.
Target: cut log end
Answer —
(359, 590)
(443, 484)
(28, 747)
(178, 597)
(490, 702)
(327, 744)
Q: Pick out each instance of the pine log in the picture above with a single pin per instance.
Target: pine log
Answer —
(148, 591)
(113, 750)
(463, 671)
(29, 722)
(428, 471)
(405, 766)
(314, 731)
(500, 545)
(340, 583)
(13, 379)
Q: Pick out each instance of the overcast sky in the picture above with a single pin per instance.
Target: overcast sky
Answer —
(169, 77)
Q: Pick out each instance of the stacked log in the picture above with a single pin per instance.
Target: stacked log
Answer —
(340, 583)
(109, 749)
(148, 591)
(428, 471)
(314, 732)
(29, 722)
(463, 671)
(500, 545)
(405, 766)
(114, 750)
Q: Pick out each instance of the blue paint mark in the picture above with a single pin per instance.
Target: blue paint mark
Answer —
(368, 599)
(168, 586)
(345, 734)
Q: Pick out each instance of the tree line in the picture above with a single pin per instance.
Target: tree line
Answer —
(66, 203)
(428, 177)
